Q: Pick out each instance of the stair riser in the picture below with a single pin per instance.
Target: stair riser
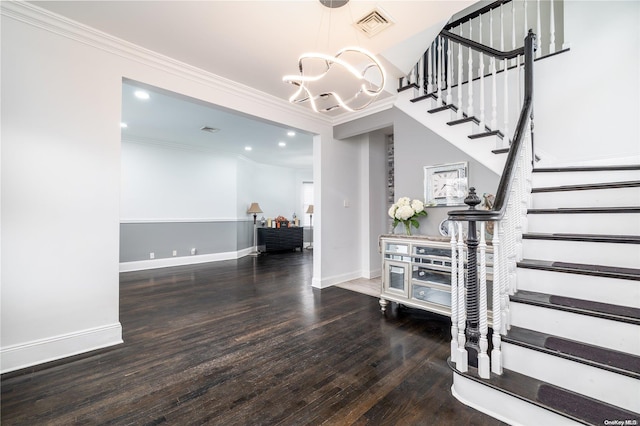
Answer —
(610, 334)
(578, 178)
(584, 379)
(592, 223)
(502, 406)
(612, 197)
(586, 287)
(590, 253)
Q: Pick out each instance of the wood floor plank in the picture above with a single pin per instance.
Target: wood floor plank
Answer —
(248, 342)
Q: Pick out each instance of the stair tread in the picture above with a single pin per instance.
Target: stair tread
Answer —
(597, 356)
(586, 187)
(582, 269)
(471, 119)
(566, 403)
(585, 210)
(442, 108)
(407, 87)
(423, 97)
(585, 307)
(586, 168)
(488, 133)
(601, 238)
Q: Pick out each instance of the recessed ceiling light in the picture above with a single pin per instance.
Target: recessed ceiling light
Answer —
(247, 148)
(123, 125)
(282, 144)
(141, 94)
(291, 133)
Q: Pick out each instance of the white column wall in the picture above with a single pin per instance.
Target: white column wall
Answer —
(61, 95)
(340, 229)
(60, 191)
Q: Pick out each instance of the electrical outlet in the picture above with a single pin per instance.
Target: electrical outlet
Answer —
(175, 252)
(152, 255)
(193, 251)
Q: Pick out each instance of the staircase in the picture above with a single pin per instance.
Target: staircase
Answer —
(566, 345)
(573, 348)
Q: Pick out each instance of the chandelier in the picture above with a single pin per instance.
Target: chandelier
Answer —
(351, 79)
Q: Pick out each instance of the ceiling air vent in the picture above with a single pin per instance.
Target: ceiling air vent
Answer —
(374, 22)
(209, 129)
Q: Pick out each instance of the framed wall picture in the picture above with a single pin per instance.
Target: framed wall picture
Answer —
(446, 184)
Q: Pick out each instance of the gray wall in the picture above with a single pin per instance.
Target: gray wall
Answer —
(416, 147)
(137, 240)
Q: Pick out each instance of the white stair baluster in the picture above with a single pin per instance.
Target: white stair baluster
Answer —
(463, 361)
(503, 275)
(460, 70)
(539, 33)
(430, 69)
(483, 358)
(552, 29)
(439, 69)
(496, 352)
(513, 29)
(505, 105)
(494, 96)
(454, 294)
(481, 73)
(470, 76)
(449, 73)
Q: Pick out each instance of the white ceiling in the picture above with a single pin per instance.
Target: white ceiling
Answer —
(254, 43)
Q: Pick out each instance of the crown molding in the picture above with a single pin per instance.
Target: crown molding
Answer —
(375, 107)
(35, 16)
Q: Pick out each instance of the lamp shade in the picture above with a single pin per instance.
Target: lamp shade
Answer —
(254, 208)
(310, 209)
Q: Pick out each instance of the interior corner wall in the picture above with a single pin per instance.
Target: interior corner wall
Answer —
(60, 163)
(415, 147)
(376, 158)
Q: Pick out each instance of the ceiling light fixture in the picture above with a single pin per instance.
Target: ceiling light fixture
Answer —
(317, 87)
(247, 148)
(282, 144)
(123, 125)
(141, 94)
(291, 133)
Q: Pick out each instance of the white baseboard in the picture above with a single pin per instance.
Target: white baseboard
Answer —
(336, 279)
(372, 274)
(37, 352)
(141, 265)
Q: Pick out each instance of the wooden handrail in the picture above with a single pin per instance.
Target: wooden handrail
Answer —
(506, 180)
(481, 47)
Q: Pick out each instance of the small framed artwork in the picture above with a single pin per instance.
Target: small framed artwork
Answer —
(446, 184)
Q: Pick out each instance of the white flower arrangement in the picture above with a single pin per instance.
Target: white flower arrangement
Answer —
(407, 211)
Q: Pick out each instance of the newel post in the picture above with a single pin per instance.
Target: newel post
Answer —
(473, 310)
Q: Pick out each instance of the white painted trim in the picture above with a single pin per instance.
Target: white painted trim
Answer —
(57, 24)
(24, 355)
(378, 106)
(611, 161)
(375, 273)
(185, 220)
(336, 279)
(141, 265)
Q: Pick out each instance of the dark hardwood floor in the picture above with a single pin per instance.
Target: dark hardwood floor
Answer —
(248, 342)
